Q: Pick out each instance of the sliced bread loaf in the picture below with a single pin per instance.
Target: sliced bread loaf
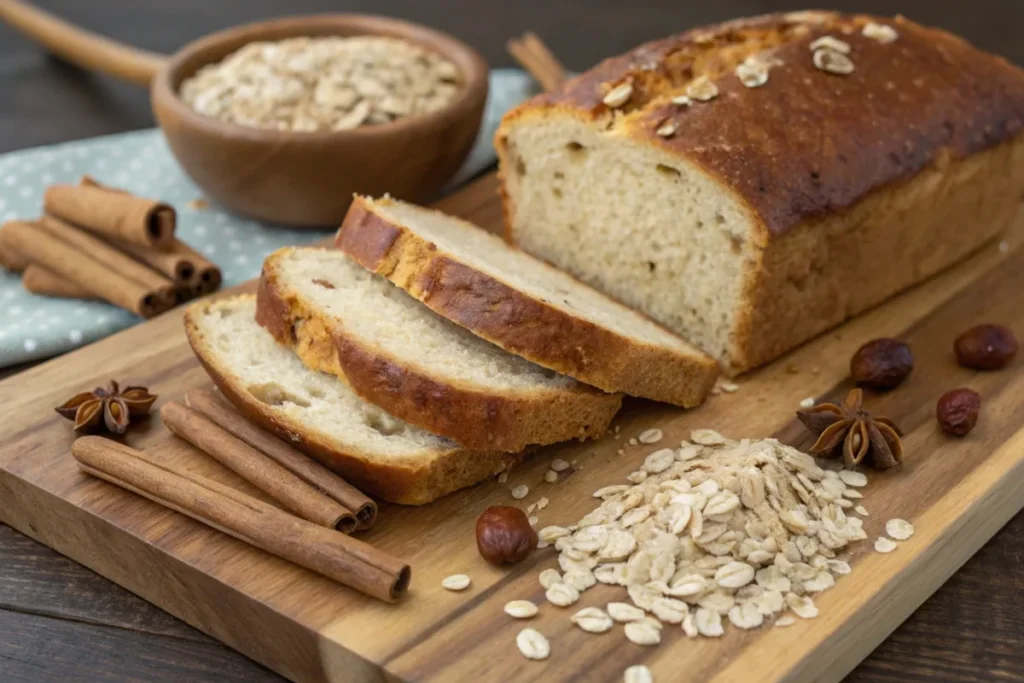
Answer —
(395, 352)
(523, 304)
(322, 417)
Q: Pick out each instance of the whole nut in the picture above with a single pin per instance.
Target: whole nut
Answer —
(882, 364)
(957, 411)
(985, 347)
(504, 535)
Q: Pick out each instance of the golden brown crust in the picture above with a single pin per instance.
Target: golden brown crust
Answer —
(806, 286)
(414, 480)
(807, 143)
(505, 422)
(517, 322)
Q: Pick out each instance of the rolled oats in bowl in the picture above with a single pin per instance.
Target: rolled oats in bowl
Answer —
(323, 83)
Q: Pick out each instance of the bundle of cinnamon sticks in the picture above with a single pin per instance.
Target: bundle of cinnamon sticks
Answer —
(97, 242)
(302, 485)
(319, 507)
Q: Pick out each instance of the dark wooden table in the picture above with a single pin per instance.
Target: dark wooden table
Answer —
(61, 622)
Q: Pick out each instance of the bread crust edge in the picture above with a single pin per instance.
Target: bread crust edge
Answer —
(470, 417)
(408, 481)
(516, 322)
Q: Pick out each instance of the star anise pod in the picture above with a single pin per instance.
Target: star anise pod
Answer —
(846, 428)
(111, 407)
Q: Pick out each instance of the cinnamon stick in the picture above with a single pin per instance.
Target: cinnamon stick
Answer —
(89, 181)
(40, 280)
(179, 262)
(110, 257)
(73, 263)
(10, 258)
(256, 468)
(184, 292)
(173, 263)
(325, 551)
(207, 276)
(217, 409)
(175, 259)
(113, 214)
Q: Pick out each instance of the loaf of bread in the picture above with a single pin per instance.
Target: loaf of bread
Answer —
(522, 304)
(322, 417)
(753, 184)
(416, 365)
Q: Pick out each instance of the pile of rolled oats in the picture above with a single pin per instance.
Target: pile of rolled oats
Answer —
(714, 531)
(325, 83)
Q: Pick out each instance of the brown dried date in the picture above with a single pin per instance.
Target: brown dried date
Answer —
(957, 411)
(504, 535)
(882, 364)
(986, 347)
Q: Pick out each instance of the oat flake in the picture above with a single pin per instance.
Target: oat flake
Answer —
(549, 577)
(752, 74)
(650, 436)
(562, 594)
(702, 89)
(709, 623)
(642, 633)
(899, 529)
(833, 62)
(624, 612)
(520, 609)
(884, 545)
(532, 644)
(619, 95)
(593, 620)
(830, 43)
(853, 478)
(456, 582)
(638, 673)
(881, 32)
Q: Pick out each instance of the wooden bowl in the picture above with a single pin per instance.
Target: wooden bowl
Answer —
(307, 179)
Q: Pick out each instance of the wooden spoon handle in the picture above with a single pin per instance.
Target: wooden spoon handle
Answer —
(80, 47)
(538, 60)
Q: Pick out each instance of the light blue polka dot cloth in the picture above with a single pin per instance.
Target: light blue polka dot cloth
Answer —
(34, 326)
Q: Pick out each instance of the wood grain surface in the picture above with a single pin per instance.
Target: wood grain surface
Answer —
(970, 630)
(957, 492)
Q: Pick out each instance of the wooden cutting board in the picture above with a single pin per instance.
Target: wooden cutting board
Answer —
(957, 492)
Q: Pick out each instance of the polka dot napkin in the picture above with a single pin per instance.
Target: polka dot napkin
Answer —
(34, 326)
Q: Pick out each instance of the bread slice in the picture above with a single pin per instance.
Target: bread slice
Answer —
(522, 304)
(395, 352)
(322, 417)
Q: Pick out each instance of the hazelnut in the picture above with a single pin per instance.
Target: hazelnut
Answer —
(957, 411)
(882, 364)
(504, 535)
(985, 347)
